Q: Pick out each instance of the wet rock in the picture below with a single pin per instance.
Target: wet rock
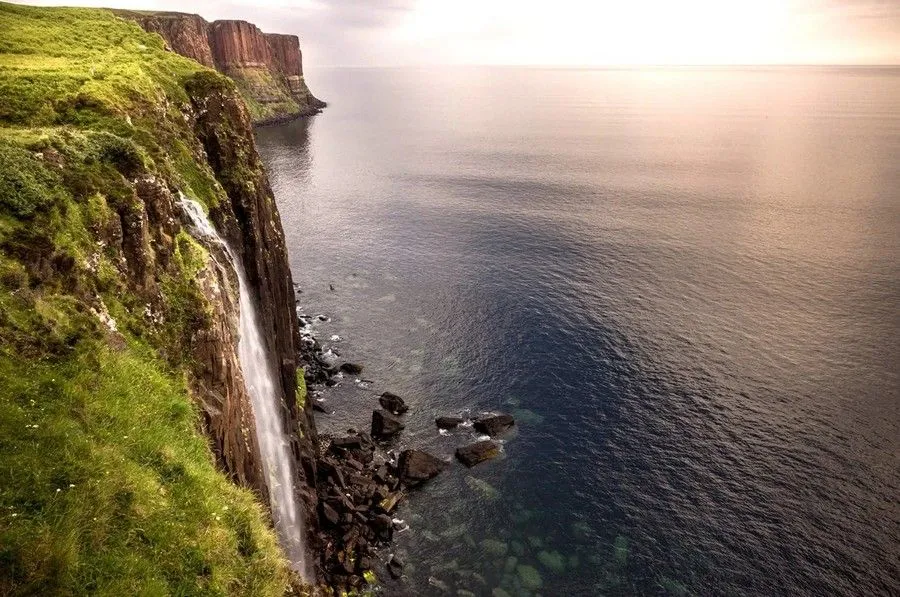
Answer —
(415, 467)
(319, 407)
(478, 452)
(351, 368)
(438, 584)
(448, 422)
(395, 567)
(494, 425)
(384, 424)
(351, 442)
(393, 403)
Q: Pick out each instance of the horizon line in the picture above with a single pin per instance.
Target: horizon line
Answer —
(619, 66)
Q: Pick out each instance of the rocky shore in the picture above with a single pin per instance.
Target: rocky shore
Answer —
(362, 481)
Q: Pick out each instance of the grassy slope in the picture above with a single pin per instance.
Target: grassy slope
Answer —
(253, 82)
(106, 484)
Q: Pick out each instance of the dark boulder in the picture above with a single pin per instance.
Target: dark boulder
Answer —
(494, 425)
(351, 442)
(384, 424)
(330, 514)
(383, 526)
(416, 467)
(351, 368)
(448, 422)
(393, 403)
(478, 452)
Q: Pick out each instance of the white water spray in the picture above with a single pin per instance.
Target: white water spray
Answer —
(265, 396)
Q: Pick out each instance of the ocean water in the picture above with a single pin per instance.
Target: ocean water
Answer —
(685, 285)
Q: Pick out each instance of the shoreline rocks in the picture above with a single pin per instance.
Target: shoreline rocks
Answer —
(351, 368)
(385, 425)
(416, 467)
(448, 422)
(393, 403)
(478, 452)
(494, 425)
(360, 487)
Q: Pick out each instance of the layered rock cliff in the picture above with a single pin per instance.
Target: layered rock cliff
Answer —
(123, 411)
(267, 67)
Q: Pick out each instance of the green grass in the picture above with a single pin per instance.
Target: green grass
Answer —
(107, 484)
(259, 82)
(108, 489)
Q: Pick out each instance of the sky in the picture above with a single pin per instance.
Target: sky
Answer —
(565, 32)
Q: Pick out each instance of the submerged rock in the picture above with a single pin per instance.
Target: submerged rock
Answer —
(552, 560)
(494, 547)
(384, 424)
(494, 425)
(620, 549)
(438, 584)
(530, 577)
(393, 403)
(448, 422)
(415, 467)
(478, 452)
(485, 489)
(456, 531)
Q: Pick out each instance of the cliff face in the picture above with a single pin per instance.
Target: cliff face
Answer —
(187, 35)
(251, 224)
(118, 329)
(267, 67)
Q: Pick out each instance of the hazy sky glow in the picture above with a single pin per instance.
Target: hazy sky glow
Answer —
(568, 32)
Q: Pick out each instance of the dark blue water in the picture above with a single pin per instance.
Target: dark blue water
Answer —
(684, 284)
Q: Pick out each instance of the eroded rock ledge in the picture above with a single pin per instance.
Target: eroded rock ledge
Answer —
(267, 67)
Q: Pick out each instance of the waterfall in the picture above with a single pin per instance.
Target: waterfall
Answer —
(265, 395)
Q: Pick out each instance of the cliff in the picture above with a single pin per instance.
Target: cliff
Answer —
(128, 453)
(267, 67)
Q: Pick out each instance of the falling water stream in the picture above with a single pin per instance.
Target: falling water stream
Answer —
(261, 384)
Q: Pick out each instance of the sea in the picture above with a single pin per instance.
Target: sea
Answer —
(684, 284)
